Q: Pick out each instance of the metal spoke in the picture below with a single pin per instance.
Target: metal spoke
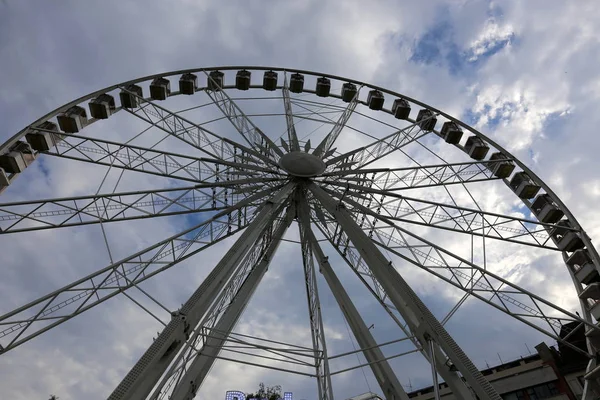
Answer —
(325, 389)
(476, 280)
(412, 177)
(375, 151)
(289, 116)
(388, 382)
(417, 316)
(260, 142)
(83, 210)
(201, 138)
(323, 148)
(63, 304)
(150, 161)
(195, 361)
(147, 371)
(452, 218)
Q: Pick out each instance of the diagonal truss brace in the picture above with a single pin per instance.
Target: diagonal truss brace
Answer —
(473, 279)
(325, 389)
(366, 155)
(53, 309)
(328, 141)
(207, 342)
(449, 217)
(111, 207)
(388, 382)
(424, 326)
(201, 138)
(289, 116)
(149, 161)
(413, 178)
(260, 142)
(151, 366)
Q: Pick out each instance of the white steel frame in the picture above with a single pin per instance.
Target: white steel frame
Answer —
(359, 209)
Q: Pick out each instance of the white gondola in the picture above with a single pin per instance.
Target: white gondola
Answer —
(566, 238)
(348, 91)
(130, 96)
(43, 140)
(583, 267)
(546, 210)
(296, 83)
(323, 87)
(270, 80)
(401, 109)
(524, 186)
(19, 157)
(426, 120)
(476, 148)
(215, 80)
(102, 106)
(451, 132)
(3, 178)
(73, 120)
(242, 80)
(160, 89)
(501, 169)
(375, 100)
(188, 83)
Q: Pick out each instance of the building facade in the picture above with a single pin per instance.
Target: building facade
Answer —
(551, 374)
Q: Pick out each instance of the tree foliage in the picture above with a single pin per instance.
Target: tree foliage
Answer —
(266, 392)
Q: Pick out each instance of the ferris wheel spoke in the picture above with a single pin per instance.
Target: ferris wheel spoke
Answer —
(193, 134)
(391, 179)
(121, 206)
(198, 355)
(289, 116)
(142, 378)
(441, 350)
(388, 382)
(149, 161)
(260, 142)
(63, 304)
(474, 279)
(323, 372)
(450, 217)
(323, 148)
(375, 151)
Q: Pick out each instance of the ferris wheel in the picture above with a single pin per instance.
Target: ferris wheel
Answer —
(385, 183)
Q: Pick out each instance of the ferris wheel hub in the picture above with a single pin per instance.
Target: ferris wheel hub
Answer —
(301, 164)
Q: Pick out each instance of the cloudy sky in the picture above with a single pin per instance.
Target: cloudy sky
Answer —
(526, 75)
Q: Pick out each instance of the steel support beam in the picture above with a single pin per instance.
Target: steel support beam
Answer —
(289, 116)
(332, 136)
(121, 206)
(388, 382)
(314, 305)
(151, 366)
(237, 300)
(260, 142)
(420, 320)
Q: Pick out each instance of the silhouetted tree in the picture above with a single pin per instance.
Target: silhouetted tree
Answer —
(266, 392)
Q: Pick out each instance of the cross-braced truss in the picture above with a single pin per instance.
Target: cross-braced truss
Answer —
(386, 204)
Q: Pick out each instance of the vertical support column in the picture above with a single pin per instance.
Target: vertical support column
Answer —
(198, 370)
(140, 380)
(434, 375)
(418, 317)
(314, 305)
(388, 382)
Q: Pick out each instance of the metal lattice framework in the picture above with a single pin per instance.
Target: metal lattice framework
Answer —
(413, 191)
